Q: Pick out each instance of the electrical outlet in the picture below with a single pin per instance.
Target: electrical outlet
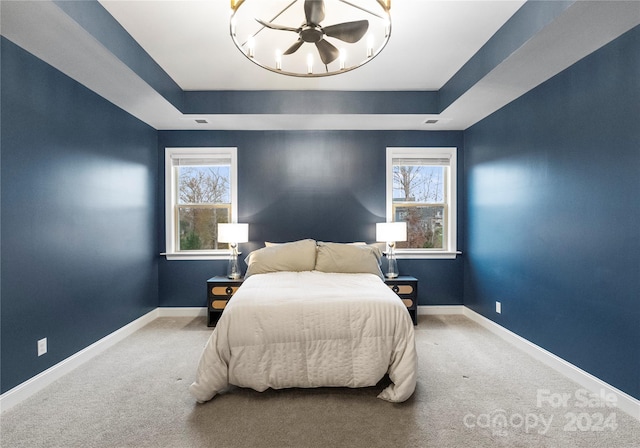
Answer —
(498, 307)
(42, 346)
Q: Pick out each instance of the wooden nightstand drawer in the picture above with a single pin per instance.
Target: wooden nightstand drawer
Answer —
(224, 291)
(219, 291)
(401, 289)
(219, 304)
(408, 303)
(406, 288)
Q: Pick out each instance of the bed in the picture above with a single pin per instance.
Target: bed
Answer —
(303, 319)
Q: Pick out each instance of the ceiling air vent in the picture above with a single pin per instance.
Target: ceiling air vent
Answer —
(201, 121)
(431, 121)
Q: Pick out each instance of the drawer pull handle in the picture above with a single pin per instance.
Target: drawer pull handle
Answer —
(402, 289)
(223, 290)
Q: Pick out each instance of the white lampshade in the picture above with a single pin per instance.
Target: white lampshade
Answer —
(233, 233)
(391, 231)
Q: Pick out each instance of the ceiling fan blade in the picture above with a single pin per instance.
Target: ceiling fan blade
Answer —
(328, 53)
(350, 32)
(314, 11)
(293, 48)
(273, 26)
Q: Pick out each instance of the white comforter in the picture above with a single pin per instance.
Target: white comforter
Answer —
(310, 329)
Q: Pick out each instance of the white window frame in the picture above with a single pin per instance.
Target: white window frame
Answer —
(171, 193)
(450, 251)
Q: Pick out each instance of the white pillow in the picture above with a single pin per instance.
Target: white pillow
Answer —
(296, 256)
(349, 258)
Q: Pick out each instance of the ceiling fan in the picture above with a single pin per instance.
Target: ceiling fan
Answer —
(265, 38)
(311, 31)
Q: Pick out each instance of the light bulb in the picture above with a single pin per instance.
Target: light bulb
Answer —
(251, 45)
(309, 63)
(343, 58)
(370, 45)
(278, 60)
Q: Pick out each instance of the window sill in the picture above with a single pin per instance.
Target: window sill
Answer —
(222, 255)
(431, 255)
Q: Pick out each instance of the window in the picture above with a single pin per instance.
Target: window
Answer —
(201, 191)
(421, 190)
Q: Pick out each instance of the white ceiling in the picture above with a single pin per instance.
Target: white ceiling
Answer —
(431, 40)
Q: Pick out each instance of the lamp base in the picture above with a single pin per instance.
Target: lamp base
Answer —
(392, 264)
(233, 269)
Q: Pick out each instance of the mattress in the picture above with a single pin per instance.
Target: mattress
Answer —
(310, 329)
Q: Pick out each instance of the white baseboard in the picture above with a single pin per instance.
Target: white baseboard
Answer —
(624, 402)
(182, 311)
(424, 310)
(24, 390)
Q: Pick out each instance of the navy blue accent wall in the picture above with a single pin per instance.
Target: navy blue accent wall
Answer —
(552, 214)
(310, 102)
(79, 222)
(326, 185)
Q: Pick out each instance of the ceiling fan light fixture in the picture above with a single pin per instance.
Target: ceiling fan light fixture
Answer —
(324, 28)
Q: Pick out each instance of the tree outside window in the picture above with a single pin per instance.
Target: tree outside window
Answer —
(419, 199)
(203, 202)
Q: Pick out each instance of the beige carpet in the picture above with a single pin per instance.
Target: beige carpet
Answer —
(474, 390)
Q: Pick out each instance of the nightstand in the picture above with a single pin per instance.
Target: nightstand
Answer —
(219, 292)
(407, 288)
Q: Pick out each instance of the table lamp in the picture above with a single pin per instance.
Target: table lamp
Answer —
(391, 232)
(233, 234)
